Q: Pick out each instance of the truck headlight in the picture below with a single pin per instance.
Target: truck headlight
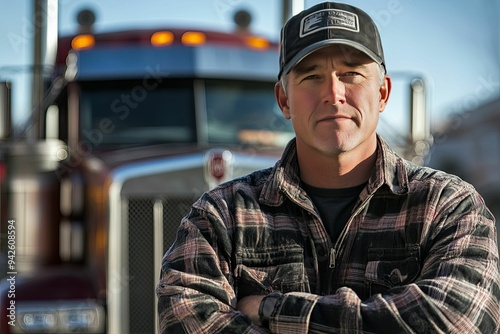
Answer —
(39, 321)
(85, 316)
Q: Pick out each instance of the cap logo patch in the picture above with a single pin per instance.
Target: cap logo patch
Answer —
(328, 19)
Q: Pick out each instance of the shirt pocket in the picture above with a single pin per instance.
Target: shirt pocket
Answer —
(277, 270)
(388, 268)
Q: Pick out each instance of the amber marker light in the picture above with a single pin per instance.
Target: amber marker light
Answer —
(162, 38)
(84, 41)
(257, 42)
(193, 38)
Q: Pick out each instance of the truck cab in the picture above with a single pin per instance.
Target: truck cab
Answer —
(138, 124)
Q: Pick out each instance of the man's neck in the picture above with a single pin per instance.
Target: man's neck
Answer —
(336, 171)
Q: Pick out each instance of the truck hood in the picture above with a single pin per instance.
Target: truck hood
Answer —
(116, 157)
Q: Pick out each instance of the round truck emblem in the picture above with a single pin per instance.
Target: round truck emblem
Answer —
(218, 166)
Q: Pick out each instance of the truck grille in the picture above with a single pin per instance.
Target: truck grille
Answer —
(141, 253)
(147, 201)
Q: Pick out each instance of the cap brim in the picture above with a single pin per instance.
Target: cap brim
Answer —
(319, 45)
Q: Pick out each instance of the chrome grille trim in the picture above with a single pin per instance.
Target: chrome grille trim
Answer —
(158, 245)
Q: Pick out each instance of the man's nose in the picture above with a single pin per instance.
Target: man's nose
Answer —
(335, 90)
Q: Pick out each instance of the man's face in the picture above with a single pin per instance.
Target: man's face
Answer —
(334, 97)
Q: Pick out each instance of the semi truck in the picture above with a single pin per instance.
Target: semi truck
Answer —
(133, 127)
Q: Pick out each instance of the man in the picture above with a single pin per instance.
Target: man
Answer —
(342, 235)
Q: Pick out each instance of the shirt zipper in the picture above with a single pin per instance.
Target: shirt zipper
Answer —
(333, 254)
(336, 250)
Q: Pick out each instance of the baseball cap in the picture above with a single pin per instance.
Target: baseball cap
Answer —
(325, 24)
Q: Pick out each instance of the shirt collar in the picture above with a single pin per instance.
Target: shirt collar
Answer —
(390, 169)
(284, 180)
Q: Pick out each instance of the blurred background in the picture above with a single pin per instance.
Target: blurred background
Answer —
(100, 159)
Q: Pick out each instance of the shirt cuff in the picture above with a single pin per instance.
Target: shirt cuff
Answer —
(267, 306)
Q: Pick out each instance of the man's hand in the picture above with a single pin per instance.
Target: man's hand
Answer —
(249, 306)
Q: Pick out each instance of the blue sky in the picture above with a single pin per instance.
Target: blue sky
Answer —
(453, 44)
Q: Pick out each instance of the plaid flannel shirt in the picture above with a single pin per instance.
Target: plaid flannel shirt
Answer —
(418, 255)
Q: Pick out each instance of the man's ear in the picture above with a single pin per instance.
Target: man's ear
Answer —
(385, 92)
(282, 100)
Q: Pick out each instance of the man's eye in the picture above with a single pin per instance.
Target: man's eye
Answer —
(350, 74)
(311, 77)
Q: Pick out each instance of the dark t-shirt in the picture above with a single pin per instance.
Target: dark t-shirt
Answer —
(334, 206)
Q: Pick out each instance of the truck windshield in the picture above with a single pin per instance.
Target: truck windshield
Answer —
(139, 112)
